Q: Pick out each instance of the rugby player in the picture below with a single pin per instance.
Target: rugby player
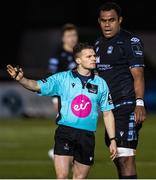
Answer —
(120, 61)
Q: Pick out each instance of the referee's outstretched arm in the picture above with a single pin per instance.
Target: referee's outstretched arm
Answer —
(17, 74)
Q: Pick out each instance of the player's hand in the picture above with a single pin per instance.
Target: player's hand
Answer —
(113, 150)
(140, 114)
(15, 72)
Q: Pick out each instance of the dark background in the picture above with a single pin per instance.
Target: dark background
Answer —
(35, 17)
(20, 16)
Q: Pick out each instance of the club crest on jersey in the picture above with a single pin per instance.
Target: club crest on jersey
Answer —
(110, 50)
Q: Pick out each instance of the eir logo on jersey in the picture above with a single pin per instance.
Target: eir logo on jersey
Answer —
(81, 106)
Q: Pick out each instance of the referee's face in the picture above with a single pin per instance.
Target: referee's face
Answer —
(87, 59)
(110, 23)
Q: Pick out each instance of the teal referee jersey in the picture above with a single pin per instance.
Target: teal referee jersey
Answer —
(78, 103)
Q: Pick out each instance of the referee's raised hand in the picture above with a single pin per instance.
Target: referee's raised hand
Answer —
(15, 72)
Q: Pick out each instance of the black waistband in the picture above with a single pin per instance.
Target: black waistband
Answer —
(74, 129)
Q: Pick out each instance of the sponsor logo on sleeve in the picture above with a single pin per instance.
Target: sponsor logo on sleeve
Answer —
(135, 39)
(110, 101)
(137, 50)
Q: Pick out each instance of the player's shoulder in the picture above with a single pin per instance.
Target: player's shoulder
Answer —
(130, 37)
(58, 53)
(55, 58)
(98, 41)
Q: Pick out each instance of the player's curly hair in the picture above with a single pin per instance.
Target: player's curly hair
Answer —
(109, 6)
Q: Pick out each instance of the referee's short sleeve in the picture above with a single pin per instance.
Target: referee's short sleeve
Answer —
(105, 102)
(49, 86)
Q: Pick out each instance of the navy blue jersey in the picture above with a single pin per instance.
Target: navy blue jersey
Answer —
(62, 61)
(115, 57)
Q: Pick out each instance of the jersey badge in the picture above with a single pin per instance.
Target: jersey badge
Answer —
(110, 50)
(92, 88)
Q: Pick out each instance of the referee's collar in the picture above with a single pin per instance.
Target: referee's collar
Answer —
(75, 73)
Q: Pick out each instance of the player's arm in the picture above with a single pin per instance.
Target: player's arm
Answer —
(135, 52)
(110, 127)
(18, 75)
(139, 86)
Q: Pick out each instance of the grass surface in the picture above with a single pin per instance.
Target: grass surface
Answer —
(24, 145)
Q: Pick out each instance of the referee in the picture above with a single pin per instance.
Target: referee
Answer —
(80, 92)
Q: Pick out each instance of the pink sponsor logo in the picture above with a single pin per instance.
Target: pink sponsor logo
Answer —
(81, 106)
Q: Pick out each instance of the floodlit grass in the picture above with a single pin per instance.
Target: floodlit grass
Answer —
(24, 145)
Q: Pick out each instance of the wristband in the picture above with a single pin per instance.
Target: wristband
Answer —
(17, 72)
(114, 138)
(139, 102)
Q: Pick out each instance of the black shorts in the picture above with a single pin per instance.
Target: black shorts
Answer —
(127, 131)
(75, 142)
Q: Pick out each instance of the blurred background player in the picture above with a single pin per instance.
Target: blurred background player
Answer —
(63, 60)
(120, 61)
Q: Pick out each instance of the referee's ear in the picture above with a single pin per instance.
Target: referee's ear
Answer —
(78, 60)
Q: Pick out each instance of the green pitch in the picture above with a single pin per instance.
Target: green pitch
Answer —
(24, 145)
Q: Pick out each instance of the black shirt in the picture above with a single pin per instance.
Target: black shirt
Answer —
(115, 57)
(62, 61)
